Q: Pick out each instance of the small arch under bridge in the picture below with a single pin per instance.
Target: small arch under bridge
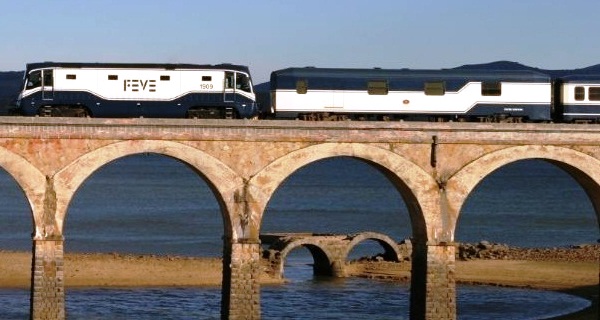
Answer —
(329, 251)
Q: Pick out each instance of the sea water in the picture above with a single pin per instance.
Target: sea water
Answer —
(150, 204)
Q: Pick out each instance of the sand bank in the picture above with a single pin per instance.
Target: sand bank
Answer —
(118, 270)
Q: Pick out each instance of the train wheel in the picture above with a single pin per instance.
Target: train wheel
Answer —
(45, 111)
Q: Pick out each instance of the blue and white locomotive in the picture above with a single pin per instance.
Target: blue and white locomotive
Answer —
(434, 95)
(137, 90)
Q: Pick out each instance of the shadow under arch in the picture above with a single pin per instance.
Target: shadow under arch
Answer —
(416, 186)
(33, 184)
(222, 180)
(390, 247)
(583, 168)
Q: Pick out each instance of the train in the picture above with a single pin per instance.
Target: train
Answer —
(225, 91)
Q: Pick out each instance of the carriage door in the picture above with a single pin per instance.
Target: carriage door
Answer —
(47, 84)
(229, 87)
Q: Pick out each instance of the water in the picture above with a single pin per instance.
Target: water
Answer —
(153, 204)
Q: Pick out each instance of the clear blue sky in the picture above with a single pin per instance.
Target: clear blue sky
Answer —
(270, 35)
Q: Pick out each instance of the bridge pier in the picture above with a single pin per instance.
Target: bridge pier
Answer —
(241, 288)
(433, 282)
(47, 280)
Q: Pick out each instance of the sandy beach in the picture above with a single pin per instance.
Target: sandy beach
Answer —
(120, 270)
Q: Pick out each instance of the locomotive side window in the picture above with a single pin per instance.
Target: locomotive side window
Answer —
(71, 77)
(491, 88)
(378, 87)
(579, 93)
(594, 93)
(435, 88)
(165, 78)
(301, 86)
(113, 77)
(48, 78)
(206, 78)
(229, 80)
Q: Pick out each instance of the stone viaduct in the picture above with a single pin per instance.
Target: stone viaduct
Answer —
(329, 251)
(434, 166)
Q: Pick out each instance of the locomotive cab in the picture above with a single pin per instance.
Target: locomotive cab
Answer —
(39, 80)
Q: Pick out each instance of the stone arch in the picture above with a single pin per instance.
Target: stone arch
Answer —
(390, 247)
(323, 259)
(222, 180)
(582, 167)
(33, 184)
(418, 189)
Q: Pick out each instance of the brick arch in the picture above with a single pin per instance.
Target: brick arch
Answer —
(222, 180)
(323, 259)
(583, 168)
(418, 189)
(390, 247)
(33, 184)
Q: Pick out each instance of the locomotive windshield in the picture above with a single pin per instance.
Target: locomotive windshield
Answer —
(34, 79)
(242, 82)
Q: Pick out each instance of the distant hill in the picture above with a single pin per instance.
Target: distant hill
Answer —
(510, 65)
(497, 65)
(10, 83)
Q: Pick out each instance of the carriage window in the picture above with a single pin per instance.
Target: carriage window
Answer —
(594, 93)
(491, 88)
(206, 78)
(301, 86)
(71, 76)
(165, 78)
(579, 93)
(378, 87)
(113, 77)
(34, 79)
(435, 88)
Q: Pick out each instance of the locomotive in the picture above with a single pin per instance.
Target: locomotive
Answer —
(225, 91)
(137, 90)
(433, 95)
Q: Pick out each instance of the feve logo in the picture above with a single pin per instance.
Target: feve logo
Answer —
(139, 85)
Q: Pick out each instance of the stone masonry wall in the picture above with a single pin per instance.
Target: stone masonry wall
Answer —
(441, 282)
(242, 299)
(433, 283)
(48, 296)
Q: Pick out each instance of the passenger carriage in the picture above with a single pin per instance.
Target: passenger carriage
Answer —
(443, 95)
(579, 98)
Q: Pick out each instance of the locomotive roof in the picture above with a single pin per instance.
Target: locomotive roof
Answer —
(165, 66)
(311, 72)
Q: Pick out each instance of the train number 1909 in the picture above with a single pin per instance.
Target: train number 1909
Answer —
(206, 86)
